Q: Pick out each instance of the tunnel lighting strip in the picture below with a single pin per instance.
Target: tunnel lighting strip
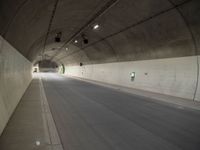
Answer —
(102, 11)
(127, 28)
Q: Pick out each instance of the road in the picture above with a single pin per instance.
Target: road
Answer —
(92, 117)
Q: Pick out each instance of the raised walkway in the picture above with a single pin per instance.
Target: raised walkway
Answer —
(31, 126)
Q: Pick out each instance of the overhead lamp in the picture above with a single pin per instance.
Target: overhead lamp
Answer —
(85, 39)
(76, 41)
(58, 37)
(96, 26)
(37, 143)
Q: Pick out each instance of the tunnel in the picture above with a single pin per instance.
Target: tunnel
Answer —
(99, 75)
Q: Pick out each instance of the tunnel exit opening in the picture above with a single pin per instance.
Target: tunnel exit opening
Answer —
(46, 66)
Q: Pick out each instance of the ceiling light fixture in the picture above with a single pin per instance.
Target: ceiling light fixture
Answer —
(76, 41)
(96, 26)
(85, 39)
(58, 37)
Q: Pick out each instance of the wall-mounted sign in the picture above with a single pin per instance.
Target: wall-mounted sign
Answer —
(132, 76)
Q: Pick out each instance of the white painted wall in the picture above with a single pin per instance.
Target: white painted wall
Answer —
(15, 76)
(173, 76)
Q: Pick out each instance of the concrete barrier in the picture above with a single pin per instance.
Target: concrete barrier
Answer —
(15, 76)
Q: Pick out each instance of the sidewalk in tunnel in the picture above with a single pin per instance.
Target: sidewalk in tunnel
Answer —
(31, 126)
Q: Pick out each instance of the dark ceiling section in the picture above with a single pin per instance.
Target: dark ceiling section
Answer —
(69, 18)
(30, 21)
(47, 64)
(129, 30)
(191, 13)
(7, 17)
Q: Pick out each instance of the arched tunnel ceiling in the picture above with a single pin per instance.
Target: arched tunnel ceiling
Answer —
(129, 30)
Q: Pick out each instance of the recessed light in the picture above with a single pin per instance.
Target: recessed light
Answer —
(76, 41)
(37, 143)
(96, 26)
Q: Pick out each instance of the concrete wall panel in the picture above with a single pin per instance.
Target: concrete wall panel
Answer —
(197, 96)
(172, 76)
(15, 76)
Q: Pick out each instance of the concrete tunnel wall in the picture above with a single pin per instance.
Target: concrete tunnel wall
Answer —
(172, 76)
(162, 51)
(159, 40)
(15, 76)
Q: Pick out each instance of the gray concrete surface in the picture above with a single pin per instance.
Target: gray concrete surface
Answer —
(15, 76)
(171, 76)
(31, 122)
(130, 30)
(92, 117)
(173, 101)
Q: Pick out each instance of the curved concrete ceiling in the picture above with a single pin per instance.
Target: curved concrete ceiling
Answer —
(129, 30)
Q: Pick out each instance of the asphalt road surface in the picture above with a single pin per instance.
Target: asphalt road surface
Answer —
(92, 117)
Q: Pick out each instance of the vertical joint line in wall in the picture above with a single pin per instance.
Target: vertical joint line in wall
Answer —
(195, 45)
(197, 84)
